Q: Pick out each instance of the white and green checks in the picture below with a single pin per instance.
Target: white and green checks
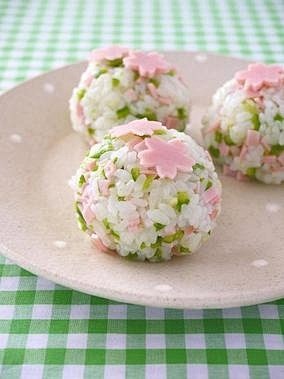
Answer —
(53, 332)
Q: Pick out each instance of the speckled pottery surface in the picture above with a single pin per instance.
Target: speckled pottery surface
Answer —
(243, 262)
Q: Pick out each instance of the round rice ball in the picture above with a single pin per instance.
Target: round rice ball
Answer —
(244, 127)
(120, 85)
(147, 192)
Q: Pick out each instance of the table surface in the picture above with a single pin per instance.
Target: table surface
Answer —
(50, 331)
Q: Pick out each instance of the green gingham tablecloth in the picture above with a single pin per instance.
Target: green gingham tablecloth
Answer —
(52, 332)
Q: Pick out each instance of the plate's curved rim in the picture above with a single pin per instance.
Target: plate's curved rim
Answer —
(127, 297)
(237, 300)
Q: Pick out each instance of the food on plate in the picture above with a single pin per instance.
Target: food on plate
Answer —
(147, 192)
(120, 85)
(244, 127)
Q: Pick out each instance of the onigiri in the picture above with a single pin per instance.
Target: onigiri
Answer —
(146, 192)
(120, 85)
(244, 127)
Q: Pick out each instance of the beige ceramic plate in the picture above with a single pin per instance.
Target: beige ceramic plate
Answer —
(243, 262)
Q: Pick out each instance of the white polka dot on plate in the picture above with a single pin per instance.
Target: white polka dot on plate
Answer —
(201, 57)
(259, 263)
(60, 244)
(16, 138)
(48, 87)
(163, 287)
(272, 207)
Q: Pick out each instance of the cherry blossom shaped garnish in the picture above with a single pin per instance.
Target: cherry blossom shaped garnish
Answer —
(166, 156)
(109, 53)
(140, 128)
(147, 64)
(258, 75)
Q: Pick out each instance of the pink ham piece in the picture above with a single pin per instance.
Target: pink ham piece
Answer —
(264, 143)
(189, 230)
(109, 169)
(80, 113)
(211, 196)
(140, 128)
(131, 95)
(281, 158)
(97, 242)
(166, 156)
(91, 165)
(228, 172)
(241, 177)
(243, 152)
(135, 140)
(212, 128)
(213, 214)
(259, 75)
(172, 122)
(252, 138)
(109, 53)
(269, 159)
(133, 225)
(154, 93)
(235, 150)
(224, 149)
(87, 82)
(147, 64)
(88, 214)
(103, 186)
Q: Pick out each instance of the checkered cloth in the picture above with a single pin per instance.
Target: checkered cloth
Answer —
(50, 331)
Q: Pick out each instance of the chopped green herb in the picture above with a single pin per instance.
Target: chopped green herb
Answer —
(171, 72)
(251, 172)
(276, 149)
(182, 198)
(158, 226)
(123, 112)
(150, 115)
(106, 223)
(143, 245)
(115, 82)
(115, 62)
(198, 166)
(132, 256)
(91, 131)
(81, 93)
(121, 198)
(218, 136)
(173, 237)
(157, 243)
(135, 172)
(102, 149)
(251, 107)
(159, 132)
(101, 72)
(158, 255)
(214, 151)
(135, 75)
(228, 140)
(80, 219)
(114, 234)
(82, 180)
(279, 117)
(155, 81)
(181, 113)
(184, 250)
(147, 183)
(255, 121)
(208, 185)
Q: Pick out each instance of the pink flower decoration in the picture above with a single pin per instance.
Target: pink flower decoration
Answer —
(166, 156)
(258, 75)
(140, 128)
(110, 53)
(147, 64)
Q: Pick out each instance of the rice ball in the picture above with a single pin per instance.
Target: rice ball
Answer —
(120, 85)
(244, 127)
(147, 192)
